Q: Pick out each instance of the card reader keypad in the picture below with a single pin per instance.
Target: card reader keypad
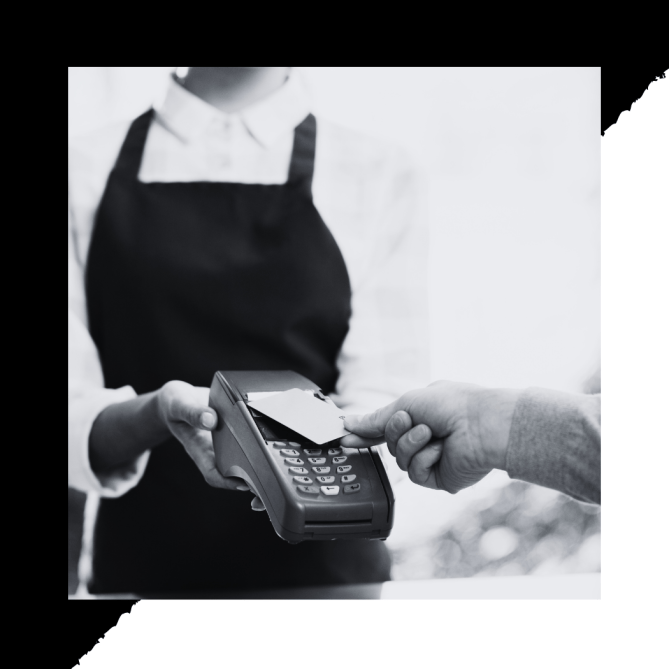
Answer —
(326, 484)
(309, 489)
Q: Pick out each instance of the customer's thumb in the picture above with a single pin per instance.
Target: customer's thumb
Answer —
(371, 424)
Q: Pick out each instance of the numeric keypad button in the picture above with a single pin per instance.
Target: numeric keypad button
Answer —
(348, 479)
(352, 487)
(278, 444)
(291, 452)
(334, 451)
(321, 470)
(339, 460)
(317, 461)
(309, 489)
(305, 480)
(342, 469)
(298, 470)
(294, 461)
(330, 489)
(312, 451)
(293, 444)
(325, 479)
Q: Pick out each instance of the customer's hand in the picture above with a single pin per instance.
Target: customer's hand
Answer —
(185, 411)
(447, 436)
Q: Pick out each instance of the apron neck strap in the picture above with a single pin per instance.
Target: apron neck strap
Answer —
(304, 150)
(301, 161)
(130, 156)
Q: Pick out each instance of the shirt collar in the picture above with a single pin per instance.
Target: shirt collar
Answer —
(266, 120)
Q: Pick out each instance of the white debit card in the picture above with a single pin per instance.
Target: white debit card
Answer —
(303, 413)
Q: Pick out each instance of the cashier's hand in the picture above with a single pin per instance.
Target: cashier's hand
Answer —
(447, 436)
(184, 410)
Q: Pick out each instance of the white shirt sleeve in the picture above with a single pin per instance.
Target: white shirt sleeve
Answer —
(385, 352)
(87, 396)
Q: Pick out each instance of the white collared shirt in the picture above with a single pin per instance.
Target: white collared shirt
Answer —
(367, 192)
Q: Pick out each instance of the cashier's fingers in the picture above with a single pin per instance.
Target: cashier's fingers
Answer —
(257, 505)
(184, 403)
(410, 443)
(200, 448)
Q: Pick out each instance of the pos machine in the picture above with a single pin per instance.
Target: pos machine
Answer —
(311, 491)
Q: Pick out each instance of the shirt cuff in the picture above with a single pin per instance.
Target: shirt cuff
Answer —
(554, 442)
(83, 410)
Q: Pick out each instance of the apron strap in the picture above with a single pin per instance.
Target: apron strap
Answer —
(304, 150)
(301, 161)
(130, 156)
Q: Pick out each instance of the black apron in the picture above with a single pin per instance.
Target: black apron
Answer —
(184, 279)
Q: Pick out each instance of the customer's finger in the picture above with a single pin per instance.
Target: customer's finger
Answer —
(371, 424)
(410, 443)
(355, 441)
(398, 425)
(421, 468)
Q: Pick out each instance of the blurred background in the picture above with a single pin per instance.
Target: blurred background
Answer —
(511, 157)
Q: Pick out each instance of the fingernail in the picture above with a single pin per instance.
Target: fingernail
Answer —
(208, 419)
(419, 433)
(243, 487)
